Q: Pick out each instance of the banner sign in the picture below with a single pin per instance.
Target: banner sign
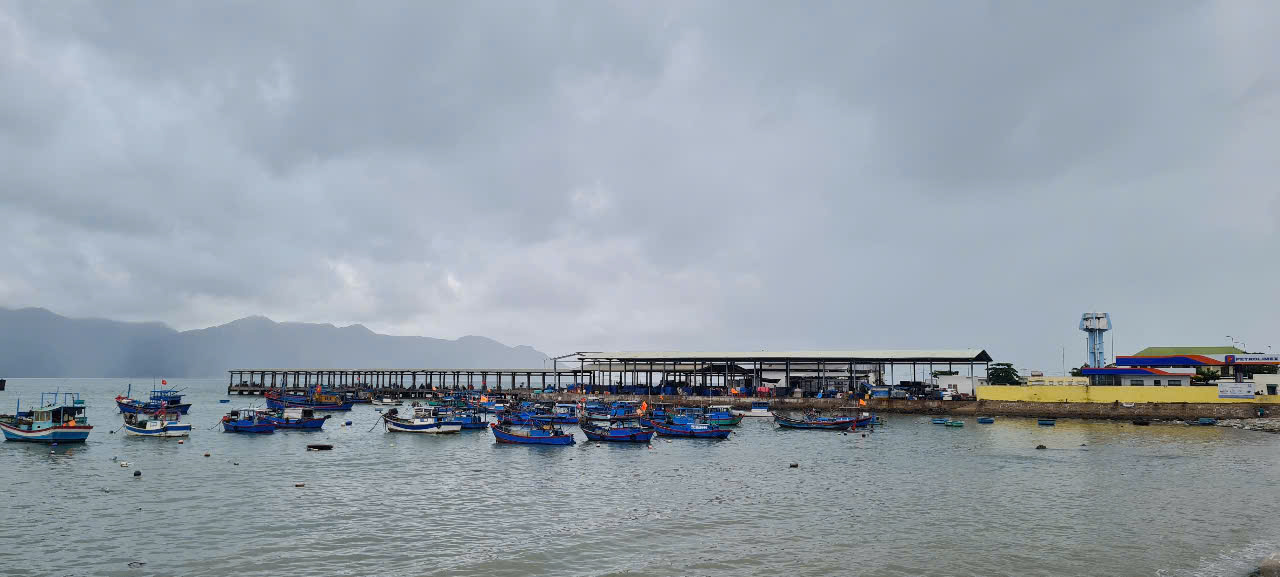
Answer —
(1252, 359)
(1227, 390)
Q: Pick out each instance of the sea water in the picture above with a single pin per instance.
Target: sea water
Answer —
(910, 498)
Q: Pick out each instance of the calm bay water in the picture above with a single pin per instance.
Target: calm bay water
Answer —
(910, 499)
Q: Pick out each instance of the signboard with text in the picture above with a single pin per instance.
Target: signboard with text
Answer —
(1227, 390)
(1252, 359)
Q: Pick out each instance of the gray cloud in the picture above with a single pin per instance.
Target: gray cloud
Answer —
(667, 175)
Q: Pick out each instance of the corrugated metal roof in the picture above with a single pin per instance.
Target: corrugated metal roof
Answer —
(885, 355)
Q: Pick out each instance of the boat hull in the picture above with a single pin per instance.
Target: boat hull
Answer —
(725, 421)
(286, 403)
(296, 424)
(55, 434)
(831, 425)
(241, 427)
(627, 435)
(135, 407)
(169, 430)
(503, 436)
(685, 431)
(398, 426)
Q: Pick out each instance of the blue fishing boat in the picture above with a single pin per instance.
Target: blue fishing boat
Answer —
(691, 430)
(224, 400)
(169, 399)
(246, 421)
(60, 418)
(985, 420)
(939, 420)
(1206, 421)
(955, 423)
(315, 401)
(545, 434)
(428, 419)
(467, 419)
(157, 424)
(565, 414)
(814, 421)
(1046, 422)
(617, 432)
(295, 418)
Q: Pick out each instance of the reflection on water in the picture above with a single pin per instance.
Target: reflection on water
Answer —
(910, 499)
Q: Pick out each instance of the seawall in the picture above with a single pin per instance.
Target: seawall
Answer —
(1082, 410)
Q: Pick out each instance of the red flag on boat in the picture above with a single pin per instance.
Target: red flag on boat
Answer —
(162, 381)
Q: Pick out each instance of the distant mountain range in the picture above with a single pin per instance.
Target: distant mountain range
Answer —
(38, 343)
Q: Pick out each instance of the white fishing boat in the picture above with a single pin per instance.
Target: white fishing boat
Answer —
(423, 420)
(758, 409)
(157, 424)
(387, 402)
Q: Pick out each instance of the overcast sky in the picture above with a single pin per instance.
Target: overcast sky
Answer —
(651, 175)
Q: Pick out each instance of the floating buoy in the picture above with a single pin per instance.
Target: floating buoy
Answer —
(111, 432)
(113, 457)
(180, 441)
(795, 465)
(137, 473)
(299, 484)
(235, 463)
(864, 435)
(1041, 447)
(348, 423)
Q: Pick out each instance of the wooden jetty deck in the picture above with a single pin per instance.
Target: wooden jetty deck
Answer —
(402, 382)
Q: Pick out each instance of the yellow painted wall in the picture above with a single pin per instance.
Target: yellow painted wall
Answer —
(1075, 394)
(1057, 381)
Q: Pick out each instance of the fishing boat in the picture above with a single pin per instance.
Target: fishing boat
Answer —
(468, 419)
(170, 398)
(315, 401)
(691, 430)
(246, 421)
(955, 423)
(224, 401)
(986, 420)
(295, 418)
(814, 421)
(161, 423)
(426, 419)
(617, 432)
(542, 434)
(1141, 422)
(723, 415)
(1046, 422)
(387, 402)
(1206, 421)
(939, 420)
(758, 409)
(565, 413)
(60, 418)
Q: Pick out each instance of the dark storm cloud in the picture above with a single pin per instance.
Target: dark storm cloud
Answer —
(659, 175)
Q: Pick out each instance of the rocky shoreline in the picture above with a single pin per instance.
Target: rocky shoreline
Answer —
(1268, 424)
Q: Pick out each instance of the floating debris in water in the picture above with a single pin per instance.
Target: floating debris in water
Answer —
(137, 473)
(136, 564)
(1041, 447)
(124, 463)
(206, 454)
(795, 465)
(299, 484)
